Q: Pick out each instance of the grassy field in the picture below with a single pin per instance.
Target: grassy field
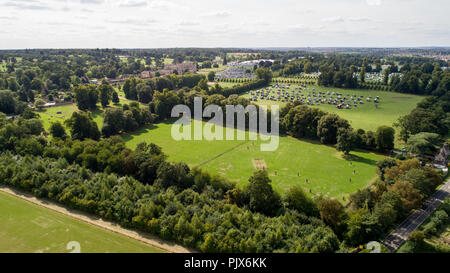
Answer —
(49, 115)
(26, 227)
(293, 163)
(224, 84)
(366, 116)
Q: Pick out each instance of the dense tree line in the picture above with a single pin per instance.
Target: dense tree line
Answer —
(126, 119)
(431, 115)
(302, 121)
(137, 89)
(141, 189)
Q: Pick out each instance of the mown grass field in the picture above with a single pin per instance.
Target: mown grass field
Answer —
(392, 105)
(26, 227)
(311, 165)
(224, 84)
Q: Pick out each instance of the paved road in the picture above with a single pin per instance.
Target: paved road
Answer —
(398, 236)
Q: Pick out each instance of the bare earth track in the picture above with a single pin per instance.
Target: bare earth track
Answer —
(97, 221)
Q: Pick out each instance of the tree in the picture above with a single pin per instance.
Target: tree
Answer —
(144, 92)
(297, 199)
(57, 130)
(302, 121)
(345, 140)
(7, 102)
(106, 91)
(262, 198)
(113, 121)
(129, 88)
(384, 164)
(330, 211)
(115, 98)
(410, 196)
(327, 128)
(264, 74)
(82, 126)
(86, 96)
(39, 103)
(211, 76)
(362, 226)
(362, 74)
(308, 68)
(385, 138)
(418, 239)
(422, 120)
(37, 84)
(425, 180)
(173, 174)
(424, 143)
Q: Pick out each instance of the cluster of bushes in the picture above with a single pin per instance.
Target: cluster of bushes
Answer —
(137, 89)
(374, 86)
(233, 80)
(342, 78)
(438, 220)
(9, 103)
(295, 81)
(373, 211)
(431, 115)
(239, 89)
(126, 119)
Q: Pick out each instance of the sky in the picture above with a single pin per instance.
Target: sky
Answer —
(223, 23)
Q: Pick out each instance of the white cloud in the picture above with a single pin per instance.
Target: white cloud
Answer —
(373, 2)
(133, 4)
(220, 13)
(359, 19)
(333, 19)
(133, 21)
(234, 23)
(165, 5)
(95, 2)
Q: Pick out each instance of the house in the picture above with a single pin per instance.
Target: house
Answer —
(180, 68)
(442, 157)
(146, 74)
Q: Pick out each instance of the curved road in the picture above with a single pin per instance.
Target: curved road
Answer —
(399, 235)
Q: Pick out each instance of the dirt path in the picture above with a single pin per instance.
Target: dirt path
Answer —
(97, 221)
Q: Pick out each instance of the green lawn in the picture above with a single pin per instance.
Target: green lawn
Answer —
(26, 227)
(224, 84)
(49, 115)
(366, 116)
(291, 164)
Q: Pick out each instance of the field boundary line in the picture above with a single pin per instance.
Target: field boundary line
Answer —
(95, 220)
(221, 154)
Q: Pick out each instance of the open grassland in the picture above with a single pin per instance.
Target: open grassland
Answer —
(315, 167)
(224, 84)
(58, 113)
(26, 227)
(366, 116)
